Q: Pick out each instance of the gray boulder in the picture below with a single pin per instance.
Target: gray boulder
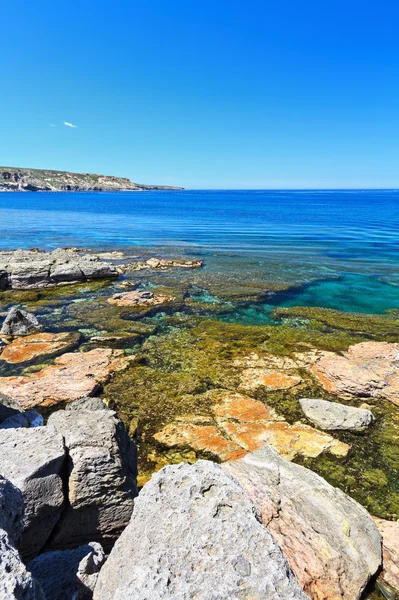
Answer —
(20, 322)
(11, 509)
(332, 415)
(68, 574)
(28, 418)
(194, 534)
(89, 403)
(33, 460)
(102, 468)
(329, 540)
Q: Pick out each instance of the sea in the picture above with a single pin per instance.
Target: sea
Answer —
(333, 249)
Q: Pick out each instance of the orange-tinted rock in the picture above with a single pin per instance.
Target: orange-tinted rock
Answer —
(73, 376)
(139, 298)
(389, 578)
(273, 380)
(39, 345)
(366, 369)
(242, 424)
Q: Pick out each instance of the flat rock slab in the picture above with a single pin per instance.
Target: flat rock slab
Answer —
(139, 298)
(194, 534)
(102, 466)
(33, 459)
(334, 416)
(39, 346)
(27, 269)
(73, 376)
(241, 424)
(329, 540)
(369, 369)
(388, 580)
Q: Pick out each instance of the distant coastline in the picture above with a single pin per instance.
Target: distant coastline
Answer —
(15, 179)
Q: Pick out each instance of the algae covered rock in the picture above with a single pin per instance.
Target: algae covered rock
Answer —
(329, 540)
(331, 415)
(194, 534)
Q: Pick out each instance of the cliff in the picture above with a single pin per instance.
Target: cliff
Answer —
(37, 180)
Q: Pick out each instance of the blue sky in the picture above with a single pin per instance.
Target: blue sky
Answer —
(204, 94)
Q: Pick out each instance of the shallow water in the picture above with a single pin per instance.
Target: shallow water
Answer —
(344, 243)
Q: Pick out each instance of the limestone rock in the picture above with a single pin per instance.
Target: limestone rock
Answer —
(33, 459)
(102, 471)
(39, 346)
(29, 418)
(68, 574)
(194, 534)
(139, 298)
(88, 403)
(328, 539)
(16, 583)
(388, 580)
(11, 509)
(331, 415)
(73, 376)
(20, 322)
(369, 369)
(240, 424)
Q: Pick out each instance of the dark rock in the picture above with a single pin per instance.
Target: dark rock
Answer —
(29, 418)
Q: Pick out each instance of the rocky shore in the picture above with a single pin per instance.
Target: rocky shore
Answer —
(44, 180)
(148, 451)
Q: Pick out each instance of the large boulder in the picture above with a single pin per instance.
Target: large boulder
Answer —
(68, 574)
(33, 460)
(329, 540)
(102, 471)
(194, 534)
(15, 582)
(20, 322)
(334, 416)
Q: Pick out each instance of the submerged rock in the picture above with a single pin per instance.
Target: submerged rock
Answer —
(366, 369)
(163, 264)
(39, 346)
(388, 580)
(68, 574)
(33, 460)
(102, 471)
(194, 534)
(20, 322)
(328, 539)
(73, 376)
(334, 416)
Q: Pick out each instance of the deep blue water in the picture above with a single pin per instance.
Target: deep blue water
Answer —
(346, 240)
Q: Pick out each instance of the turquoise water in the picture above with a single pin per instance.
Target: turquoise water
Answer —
(340, 248)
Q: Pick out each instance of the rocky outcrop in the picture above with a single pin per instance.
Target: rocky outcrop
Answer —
(334, 416)
(139, 298)
(39, 346)
(20, 322)
(388, 580)
(32, 180)
(33, 460)
(27, 269)
(68, 574)
(101, 476)
(369, 369)
(240, 424)
(328, 539)
(163, 263)
(73, 376)
(194, 534)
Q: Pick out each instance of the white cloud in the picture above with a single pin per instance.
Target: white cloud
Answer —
(70, 125)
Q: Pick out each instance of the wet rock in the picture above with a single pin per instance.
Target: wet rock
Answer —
(73, 376)
(331, 415)
(369, 369)
(33, 459)
(194, 534)
(388, 580)
(102, 467)
(240, 424)
(27, 269)
(20, 322)
(271, 379)
(328, 539)
(68, 574)
(39, 346)
(139, 298)
(28, 418)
